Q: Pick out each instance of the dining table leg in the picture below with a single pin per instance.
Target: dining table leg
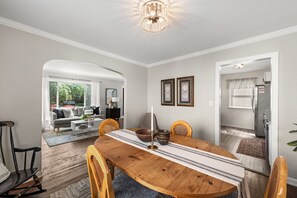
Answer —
(111, 168)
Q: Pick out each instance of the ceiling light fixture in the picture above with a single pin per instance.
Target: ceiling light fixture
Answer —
(154, 15)
(239, 66)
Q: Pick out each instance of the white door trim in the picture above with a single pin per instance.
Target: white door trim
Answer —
(274, 97)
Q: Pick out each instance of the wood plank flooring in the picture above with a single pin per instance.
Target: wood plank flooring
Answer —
(230, 139)
(63, 165)
(66, 164)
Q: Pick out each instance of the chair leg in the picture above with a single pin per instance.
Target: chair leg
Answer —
(25, 191)
(37, 182)
(111, 168)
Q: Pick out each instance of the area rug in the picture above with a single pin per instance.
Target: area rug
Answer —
(53, 138)
(254, 147)
(81, 189)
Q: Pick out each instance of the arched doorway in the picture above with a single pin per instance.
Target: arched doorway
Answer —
(80, 87)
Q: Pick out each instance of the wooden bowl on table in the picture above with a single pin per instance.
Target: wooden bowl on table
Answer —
(145, 135)
(163, 136)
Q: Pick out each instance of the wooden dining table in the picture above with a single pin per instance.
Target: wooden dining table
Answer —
(163, 175)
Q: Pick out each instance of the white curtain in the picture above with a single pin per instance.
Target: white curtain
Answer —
(95, 99)
(242, 83)
(45, 103)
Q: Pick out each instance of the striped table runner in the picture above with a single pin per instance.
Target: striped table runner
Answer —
(220, 167)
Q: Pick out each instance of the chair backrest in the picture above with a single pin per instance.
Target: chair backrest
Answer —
(146, 121)
(181, 127)
(108, 125)
(277, 183)
(8, 124)
(99, 174)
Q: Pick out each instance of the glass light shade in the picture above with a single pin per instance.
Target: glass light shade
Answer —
(154, 15)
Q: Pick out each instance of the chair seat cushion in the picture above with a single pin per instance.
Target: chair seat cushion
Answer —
(15, 180)
(126, 187)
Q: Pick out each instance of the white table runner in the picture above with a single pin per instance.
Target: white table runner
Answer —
(220, 167)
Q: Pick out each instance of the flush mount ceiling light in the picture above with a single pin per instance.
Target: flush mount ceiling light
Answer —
(238, 66)
(154, 15)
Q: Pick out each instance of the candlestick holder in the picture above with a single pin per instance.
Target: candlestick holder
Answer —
(152, 146)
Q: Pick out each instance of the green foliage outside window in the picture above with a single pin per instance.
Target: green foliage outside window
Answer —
(69, 92)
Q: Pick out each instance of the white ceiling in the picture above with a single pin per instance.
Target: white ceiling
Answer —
(249, 66)
(79, 69)
(113, 25)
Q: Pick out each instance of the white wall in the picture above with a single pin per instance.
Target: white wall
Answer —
(22, 56)
(110, 84)
(234, 117)
(202, 116)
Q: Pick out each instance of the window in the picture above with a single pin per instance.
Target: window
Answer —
(66, 94)
(241, 98)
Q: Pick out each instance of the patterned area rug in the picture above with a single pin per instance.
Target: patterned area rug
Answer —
(53, 138)
(254, 147)
(81, 189)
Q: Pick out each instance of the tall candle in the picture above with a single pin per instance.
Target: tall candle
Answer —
(152, 119)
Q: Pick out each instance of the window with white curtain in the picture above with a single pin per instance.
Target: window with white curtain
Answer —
(241, 98)
(241, 93)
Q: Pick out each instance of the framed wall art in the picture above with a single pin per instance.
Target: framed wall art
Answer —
(168, 92)
(109, 93)
(185, 91)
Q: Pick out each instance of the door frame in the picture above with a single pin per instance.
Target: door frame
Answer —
(274, 56)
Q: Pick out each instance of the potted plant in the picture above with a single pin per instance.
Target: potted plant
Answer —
(85, 117)
(293, 143)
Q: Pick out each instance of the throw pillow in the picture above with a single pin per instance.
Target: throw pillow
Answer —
(59, 113)
(80, 111)
(68, 113)
(75, 111)
(96, 110)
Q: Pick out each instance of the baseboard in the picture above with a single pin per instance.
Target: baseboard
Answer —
(292, 181)
(236, 126)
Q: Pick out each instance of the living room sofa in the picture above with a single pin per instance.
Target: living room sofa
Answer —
(59, 120)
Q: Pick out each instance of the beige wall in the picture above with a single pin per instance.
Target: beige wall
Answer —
(202, 116)
(22, 56)
(236, 117)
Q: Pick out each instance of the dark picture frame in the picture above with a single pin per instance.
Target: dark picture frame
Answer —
(185, 91)
(109, 93)
(168, 92)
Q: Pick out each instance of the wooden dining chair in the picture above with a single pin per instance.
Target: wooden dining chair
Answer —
(102, 186)
(108, 125)
(277, 183)
(181, 127)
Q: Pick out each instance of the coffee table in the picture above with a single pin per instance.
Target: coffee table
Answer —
(92, 126)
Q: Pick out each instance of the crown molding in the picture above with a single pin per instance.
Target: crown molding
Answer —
(35, 31)
(255, 39)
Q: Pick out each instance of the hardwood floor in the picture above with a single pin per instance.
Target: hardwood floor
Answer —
(63, 165)
(230, 139)
(66, 164)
